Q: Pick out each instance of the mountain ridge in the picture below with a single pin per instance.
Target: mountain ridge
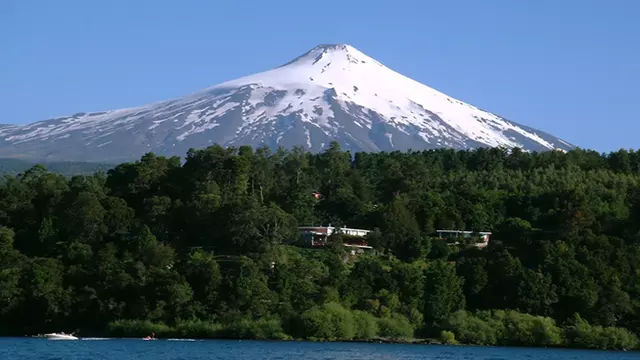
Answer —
(331, 92)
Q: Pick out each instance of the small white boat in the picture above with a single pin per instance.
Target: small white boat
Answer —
(60, 336)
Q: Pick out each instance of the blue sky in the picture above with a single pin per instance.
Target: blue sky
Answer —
(568, 67)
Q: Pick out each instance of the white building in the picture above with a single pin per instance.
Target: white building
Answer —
(454, 234)
(318, 236)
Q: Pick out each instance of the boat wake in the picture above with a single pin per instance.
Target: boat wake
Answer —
(183, 340)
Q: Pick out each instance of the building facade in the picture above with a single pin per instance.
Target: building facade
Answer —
(318, 236)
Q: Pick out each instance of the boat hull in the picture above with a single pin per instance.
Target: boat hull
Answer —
(60, 337)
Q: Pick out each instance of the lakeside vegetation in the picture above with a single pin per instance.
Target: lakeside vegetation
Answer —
(332, 322)
(196, 248)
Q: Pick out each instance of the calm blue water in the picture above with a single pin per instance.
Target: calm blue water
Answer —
(42, 349)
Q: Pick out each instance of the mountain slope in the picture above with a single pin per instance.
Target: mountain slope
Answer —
(332, 92)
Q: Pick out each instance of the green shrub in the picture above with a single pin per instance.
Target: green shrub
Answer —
(618, 338)
(504, 328)
(579, 333)
(470, 329)
(395, 327)
(366, 325)
(525, 329)
(447, 337)
(328, 322)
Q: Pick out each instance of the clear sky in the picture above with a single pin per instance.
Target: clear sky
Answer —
(568, 67)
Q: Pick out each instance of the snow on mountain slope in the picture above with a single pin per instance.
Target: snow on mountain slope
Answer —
(332, 92)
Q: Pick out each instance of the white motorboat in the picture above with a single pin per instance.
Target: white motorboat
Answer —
(60, 336)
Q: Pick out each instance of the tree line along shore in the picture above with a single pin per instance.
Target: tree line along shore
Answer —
(201, 247)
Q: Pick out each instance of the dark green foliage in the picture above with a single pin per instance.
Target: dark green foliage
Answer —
(142, 328)
(443, 292)
(401, 232)
(261, 329)
(199, 247)
(9, 166)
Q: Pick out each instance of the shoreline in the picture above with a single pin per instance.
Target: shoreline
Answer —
(426, 341)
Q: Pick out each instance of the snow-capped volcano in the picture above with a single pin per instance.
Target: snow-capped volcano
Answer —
(332, 92)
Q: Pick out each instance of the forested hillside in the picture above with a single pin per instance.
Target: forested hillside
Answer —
(196, 248)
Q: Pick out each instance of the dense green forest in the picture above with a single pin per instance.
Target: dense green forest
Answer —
(11, 166)
(198, 247)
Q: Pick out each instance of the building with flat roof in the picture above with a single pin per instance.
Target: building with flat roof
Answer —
(318, 236)
(482, 236)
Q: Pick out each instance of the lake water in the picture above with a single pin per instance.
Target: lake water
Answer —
(116, 349)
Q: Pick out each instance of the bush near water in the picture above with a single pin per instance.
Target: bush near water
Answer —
(195, 248)
(332, 322)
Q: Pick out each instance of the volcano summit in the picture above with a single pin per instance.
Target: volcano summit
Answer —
(332, 92)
